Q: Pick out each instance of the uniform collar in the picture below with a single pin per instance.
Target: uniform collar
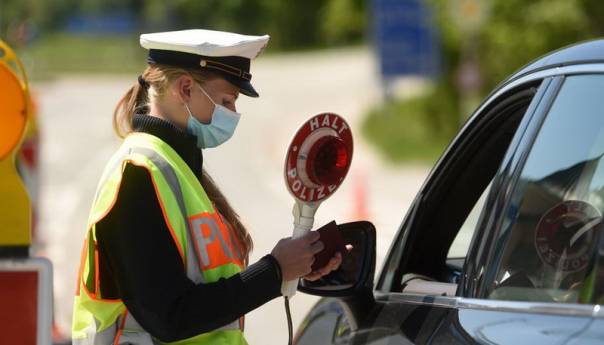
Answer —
(182, 142)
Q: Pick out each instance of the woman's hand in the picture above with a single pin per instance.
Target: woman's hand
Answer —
(295, 256)
(333, 264)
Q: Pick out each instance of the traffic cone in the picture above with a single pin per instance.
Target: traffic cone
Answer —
(359, 190)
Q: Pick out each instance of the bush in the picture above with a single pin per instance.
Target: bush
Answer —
(417, 129)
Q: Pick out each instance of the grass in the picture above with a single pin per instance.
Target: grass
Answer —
(414, 130)
(84, 53)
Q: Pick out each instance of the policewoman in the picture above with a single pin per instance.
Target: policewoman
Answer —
(165, 259)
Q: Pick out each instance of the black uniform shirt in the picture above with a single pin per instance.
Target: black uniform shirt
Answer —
(140, 263)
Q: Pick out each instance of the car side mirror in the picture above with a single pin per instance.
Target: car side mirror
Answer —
(358, 265)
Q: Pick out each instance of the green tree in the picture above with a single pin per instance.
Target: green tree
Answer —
(513, 33)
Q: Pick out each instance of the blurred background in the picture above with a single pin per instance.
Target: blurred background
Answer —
(406, 74)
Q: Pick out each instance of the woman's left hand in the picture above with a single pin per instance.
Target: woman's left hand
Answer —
(333, 264)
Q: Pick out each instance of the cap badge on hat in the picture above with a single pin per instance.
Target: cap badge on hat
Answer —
(226, 68)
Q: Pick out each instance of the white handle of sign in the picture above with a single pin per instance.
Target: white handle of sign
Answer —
(304, 217)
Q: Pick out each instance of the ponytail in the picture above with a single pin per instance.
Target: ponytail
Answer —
(134, 100)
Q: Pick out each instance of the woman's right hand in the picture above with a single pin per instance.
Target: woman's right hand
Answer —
(295, 256)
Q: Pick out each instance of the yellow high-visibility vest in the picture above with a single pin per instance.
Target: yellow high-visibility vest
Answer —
(206, 244)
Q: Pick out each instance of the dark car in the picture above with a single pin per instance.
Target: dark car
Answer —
(504, 243)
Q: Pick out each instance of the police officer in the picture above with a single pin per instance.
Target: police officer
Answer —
(166, 257)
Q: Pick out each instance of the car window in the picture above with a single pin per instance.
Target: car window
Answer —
(555, 214)
(430, 246)
(461, 244)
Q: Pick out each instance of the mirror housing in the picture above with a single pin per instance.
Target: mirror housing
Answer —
(356, 272)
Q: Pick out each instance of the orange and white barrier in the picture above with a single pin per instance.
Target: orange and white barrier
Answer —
(26, 300)
(25, 283)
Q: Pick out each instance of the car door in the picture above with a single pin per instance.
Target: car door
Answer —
(538, 275)
(533, 274)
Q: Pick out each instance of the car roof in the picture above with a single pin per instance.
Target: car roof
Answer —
(576, 54)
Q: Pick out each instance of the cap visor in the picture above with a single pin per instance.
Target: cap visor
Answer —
(245, 86)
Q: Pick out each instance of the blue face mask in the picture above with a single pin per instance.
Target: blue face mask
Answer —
(219, 130)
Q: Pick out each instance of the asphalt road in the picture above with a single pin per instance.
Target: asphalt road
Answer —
(77, 139)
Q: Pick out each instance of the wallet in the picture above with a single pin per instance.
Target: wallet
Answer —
(333, 241)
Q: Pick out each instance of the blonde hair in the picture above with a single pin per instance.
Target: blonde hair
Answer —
(136, 100)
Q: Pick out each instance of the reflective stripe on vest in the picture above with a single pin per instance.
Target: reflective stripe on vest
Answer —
(192, 264)
(132, 333)
(210, 251)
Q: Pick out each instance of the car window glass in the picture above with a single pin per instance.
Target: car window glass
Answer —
(461, 244)
(423, 259)
(555, 215)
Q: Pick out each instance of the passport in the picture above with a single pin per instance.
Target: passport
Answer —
(333, 241)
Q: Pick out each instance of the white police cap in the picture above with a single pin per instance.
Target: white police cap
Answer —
(226, 53)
